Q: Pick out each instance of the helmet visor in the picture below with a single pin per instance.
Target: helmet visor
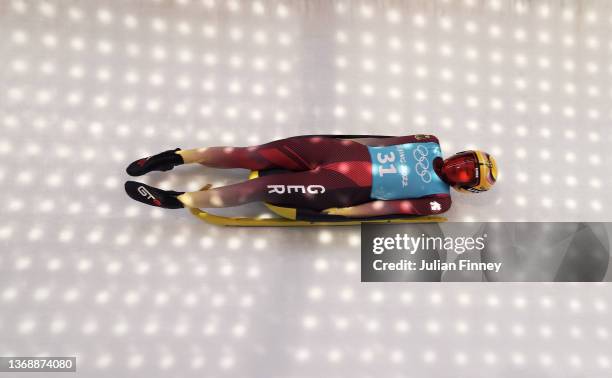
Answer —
(461, 169)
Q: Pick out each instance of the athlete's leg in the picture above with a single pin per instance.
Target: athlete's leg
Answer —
(317, 189)
(226, 157)
(225, 196)
(269, 155)
(298, 153)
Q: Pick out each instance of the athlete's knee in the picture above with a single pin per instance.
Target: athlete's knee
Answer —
(208, 198)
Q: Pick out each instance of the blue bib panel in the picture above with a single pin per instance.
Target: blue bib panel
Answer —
(405, 171)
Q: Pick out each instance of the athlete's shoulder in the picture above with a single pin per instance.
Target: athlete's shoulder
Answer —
(416, 138)
(424, 138)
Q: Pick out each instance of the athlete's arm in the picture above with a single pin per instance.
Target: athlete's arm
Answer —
(416, 206)
(393, 140)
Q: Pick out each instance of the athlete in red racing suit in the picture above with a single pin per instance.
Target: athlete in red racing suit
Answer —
(352, 176)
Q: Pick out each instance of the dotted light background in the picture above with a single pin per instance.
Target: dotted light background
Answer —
(87, 87)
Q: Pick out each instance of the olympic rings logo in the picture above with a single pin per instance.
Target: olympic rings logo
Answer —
(422, 166)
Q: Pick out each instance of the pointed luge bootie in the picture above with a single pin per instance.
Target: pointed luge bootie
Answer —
(153, 196)
(164, 161)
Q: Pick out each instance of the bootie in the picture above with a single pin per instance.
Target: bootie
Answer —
(164, 161)
(153, 196)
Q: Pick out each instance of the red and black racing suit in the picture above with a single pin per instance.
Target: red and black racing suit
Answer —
(341, 165)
